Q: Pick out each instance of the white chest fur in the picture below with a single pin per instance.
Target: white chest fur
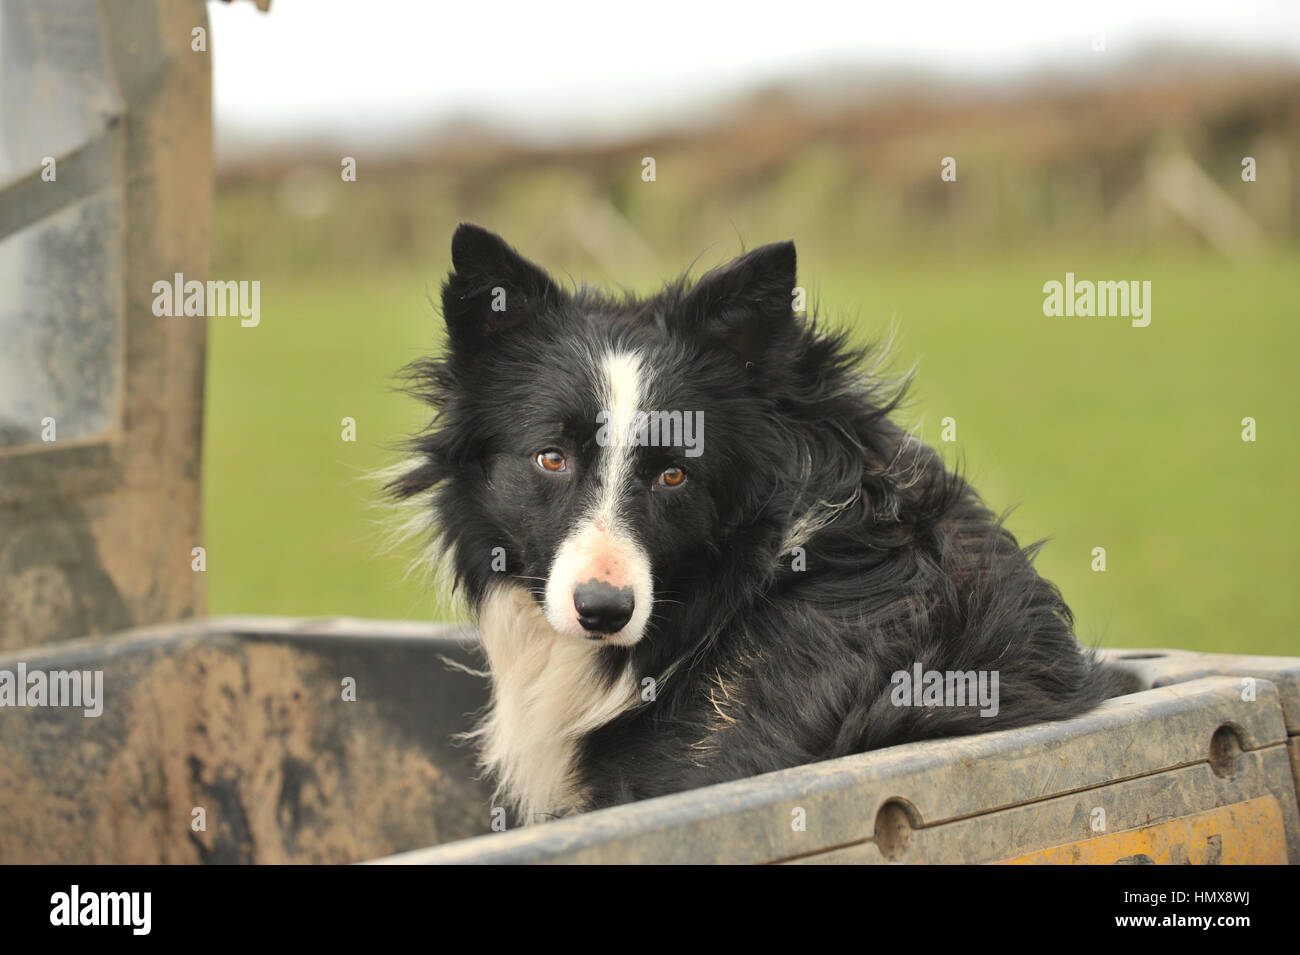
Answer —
(546, 693)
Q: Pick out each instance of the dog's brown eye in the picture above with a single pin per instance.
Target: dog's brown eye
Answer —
(551, 460)
(672, 477)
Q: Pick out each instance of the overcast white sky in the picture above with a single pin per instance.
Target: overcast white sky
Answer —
(555, 69)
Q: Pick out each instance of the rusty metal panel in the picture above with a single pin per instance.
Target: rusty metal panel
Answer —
(244, 718)
(105, 188)
(1154, 756)
(248, 722)
(1187, 815)
(1163, 667)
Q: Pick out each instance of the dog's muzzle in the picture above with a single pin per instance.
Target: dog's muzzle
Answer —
(600, 587)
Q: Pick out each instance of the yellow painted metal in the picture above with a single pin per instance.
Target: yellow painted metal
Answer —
(1245, 833)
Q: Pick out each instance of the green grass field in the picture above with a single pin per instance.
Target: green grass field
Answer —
(1097, 433)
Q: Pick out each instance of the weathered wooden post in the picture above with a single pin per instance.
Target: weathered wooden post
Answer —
(105, 188)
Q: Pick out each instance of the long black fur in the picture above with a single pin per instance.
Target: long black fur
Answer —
(766, 666)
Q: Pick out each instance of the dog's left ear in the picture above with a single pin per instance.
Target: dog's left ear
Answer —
(747, 304)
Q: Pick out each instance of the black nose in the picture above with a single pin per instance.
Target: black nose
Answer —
(602, 607)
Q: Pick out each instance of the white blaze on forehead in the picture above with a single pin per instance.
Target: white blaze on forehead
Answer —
(621, 374)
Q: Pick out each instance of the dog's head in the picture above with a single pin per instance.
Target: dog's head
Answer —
(601, 451)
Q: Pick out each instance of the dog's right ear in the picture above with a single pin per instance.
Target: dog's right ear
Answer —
(491, 288)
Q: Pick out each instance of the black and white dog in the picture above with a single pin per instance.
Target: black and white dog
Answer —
(698, 549)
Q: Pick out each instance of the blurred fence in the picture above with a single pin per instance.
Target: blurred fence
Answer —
(1200, 159)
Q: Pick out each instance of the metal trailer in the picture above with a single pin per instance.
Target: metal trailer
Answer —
(280, 740)
(236, 740)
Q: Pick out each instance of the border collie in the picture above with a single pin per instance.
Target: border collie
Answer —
(696, 546)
